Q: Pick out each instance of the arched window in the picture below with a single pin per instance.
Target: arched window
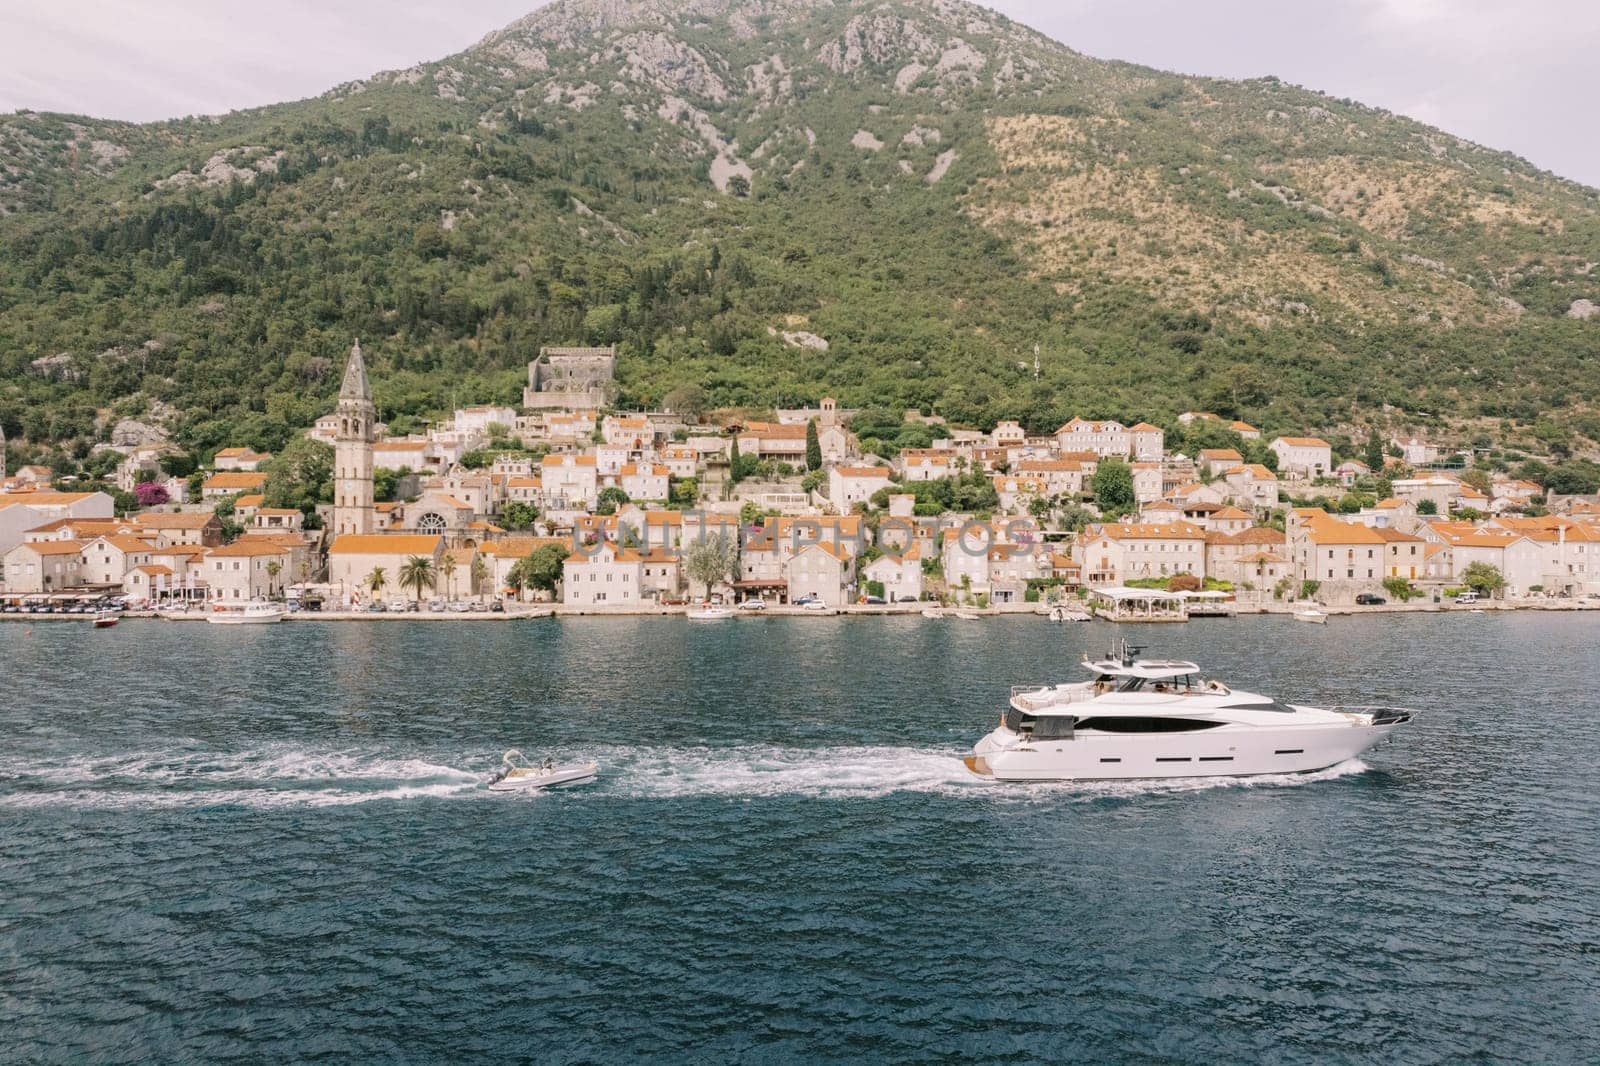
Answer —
(432, 523)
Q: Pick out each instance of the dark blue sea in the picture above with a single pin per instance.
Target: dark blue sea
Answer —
(270, 844)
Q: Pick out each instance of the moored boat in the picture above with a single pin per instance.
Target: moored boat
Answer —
(1312, 615)
(711, 612)
(255, 612)
(1156, 718)
(105, 620)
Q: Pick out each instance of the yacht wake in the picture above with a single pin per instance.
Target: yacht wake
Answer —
(268, 777)
(284, 777)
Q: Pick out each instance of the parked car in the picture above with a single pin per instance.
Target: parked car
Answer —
(376, 608)
(753, 605)
(461, 607)
(498, 607)
(813, 605)
(1370, 599)
(436, 605)
(397, 606)
(874, 601)
(806, 601)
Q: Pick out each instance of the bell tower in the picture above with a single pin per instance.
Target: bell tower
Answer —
(352, 451)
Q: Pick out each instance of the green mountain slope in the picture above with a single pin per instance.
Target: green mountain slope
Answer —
(930, 188)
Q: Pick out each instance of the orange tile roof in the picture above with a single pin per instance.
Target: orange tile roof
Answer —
(518, 547)
(127, 543)
(1327, 530)
(1153, 531)
(188, 520)
(862, 471)
(235, 479)
(247, 547)
(44, 497)
(56, 547)
(1305, 442)
(385, 544)
(835, 550)
(773, 431)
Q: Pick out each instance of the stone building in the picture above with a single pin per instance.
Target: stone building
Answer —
(353, 512)
(570, 378)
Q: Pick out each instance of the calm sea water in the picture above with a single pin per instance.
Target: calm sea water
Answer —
(270, 844)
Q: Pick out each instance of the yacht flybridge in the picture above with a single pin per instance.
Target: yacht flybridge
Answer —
(1142, 718)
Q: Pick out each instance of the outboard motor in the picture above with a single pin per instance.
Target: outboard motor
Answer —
(498, 776)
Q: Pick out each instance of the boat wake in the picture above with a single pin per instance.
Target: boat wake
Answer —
(286, 777)
(843, 773)
(273, 777)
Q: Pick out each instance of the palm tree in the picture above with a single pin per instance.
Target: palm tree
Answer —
(480, 573)
(418, 574)
(274, 568)
(447, 566)
(376, 581)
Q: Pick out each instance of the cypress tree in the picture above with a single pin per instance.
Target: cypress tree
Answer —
(813, 447)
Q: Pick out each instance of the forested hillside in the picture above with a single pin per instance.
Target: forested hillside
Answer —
(896, 203)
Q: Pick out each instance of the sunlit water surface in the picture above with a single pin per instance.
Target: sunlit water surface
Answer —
(272, 843)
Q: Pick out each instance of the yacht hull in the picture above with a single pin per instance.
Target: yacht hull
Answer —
(1247, 752)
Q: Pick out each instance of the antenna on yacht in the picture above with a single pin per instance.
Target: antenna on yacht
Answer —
(1123, 652)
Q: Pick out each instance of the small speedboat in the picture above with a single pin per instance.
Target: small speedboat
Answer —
(105, 620)
(967, 615)
(1312, 615)
(932, 612)
(711, 612)
(1063, 613)
(516, 775)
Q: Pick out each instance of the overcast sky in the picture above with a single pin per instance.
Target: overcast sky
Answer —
(1512, 75)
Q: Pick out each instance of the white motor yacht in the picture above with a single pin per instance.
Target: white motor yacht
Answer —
(255, 612)
(1312, 615)
(1151, 718)
(516, 775)
(711, 612)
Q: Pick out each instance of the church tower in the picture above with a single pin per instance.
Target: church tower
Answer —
(352, 451)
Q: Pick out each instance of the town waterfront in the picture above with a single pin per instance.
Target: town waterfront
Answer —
(272, 843)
